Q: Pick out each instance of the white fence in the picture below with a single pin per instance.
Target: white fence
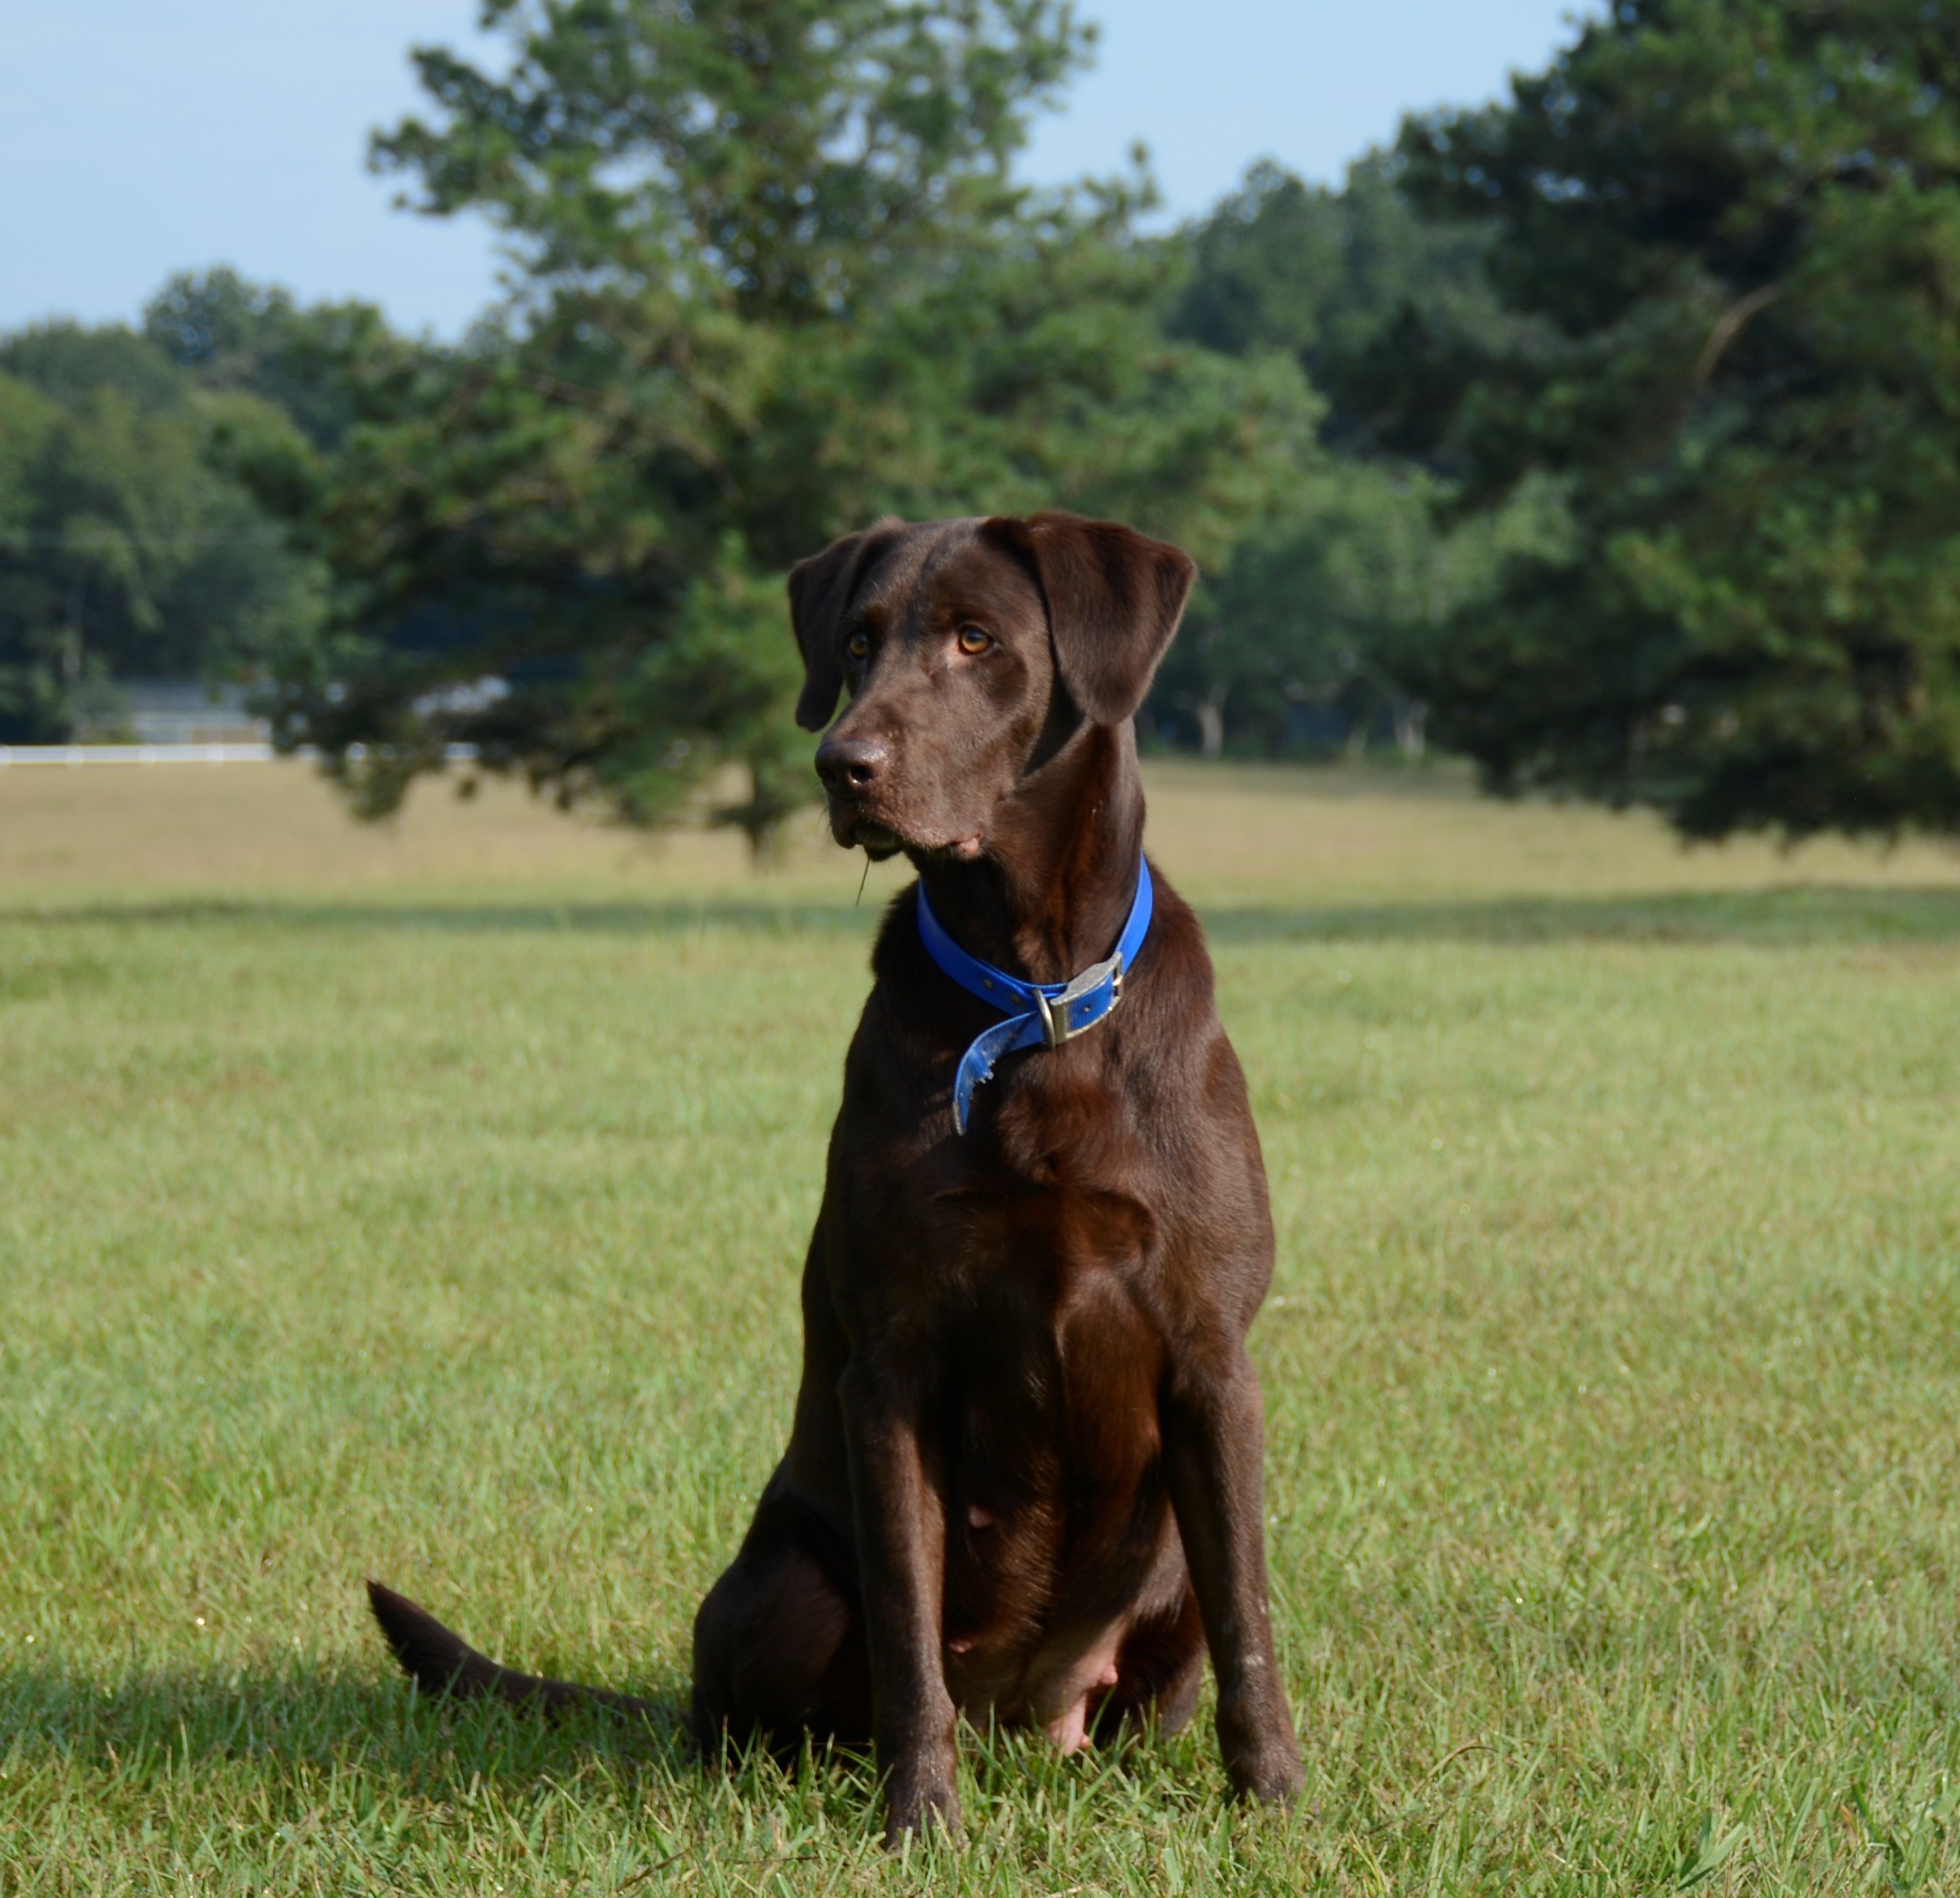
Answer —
(13, 755)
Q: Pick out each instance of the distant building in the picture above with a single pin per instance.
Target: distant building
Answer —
(178, 711)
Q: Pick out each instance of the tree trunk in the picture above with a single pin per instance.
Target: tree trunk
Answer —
(1210, 726)
(71, 645)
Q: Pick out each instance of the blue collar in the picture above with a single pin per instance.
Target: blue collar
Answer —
(1055, 1012)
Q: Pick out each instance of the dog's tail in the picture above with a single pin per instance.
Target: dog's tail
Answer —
(440, 1662)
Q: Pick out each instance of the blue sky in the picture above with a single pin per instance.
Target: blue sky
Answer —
(138, 138)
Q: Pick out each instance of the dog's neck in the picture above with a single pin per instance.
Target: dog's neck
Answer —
(1051, 895)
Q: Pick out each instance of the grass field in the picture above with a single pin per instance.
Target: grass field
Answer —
(429, 1204)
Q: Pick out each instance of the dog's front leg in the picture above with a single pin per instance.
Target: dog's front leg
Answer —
(1215, 1442)
(901, 1532)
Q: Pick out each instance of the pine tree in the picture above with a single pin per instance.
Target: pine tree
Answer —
(773, 279)
(1735, 227)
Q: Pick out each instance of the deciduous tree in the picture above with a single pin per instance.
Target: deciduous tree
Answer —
(124, 549)
(1298, 639)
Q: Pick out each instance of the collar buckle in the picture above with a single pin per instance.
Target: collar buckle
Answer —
(1058, 1013)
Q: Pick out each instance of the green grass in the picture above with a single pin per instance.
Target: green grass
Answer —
(452, 1238)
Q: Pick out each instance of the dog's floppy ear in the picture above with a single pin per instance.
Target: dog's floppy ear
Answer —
(820, 589)
(1114, 597)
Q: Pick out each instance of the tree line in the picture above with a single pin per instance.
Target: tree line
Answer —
(1604, 434)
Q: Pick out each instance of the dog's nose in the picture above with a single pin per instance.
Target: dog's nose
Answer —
(851, 764)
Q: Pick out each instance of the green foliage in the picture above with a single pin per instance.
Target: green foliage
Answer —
(1736, 226)
(714, 686)
(232, 335)
(782, 151)
(1302, 641)
(1325, 274)
(124, 550)
(1298, 638)
(776, 281)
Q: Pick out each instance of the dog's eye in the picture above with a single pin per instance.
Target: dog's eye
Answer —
(858, 645)
(973, 641)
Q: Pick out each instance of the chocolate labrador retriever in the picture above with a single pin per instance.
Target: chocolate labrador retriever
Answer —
(1023, 1479)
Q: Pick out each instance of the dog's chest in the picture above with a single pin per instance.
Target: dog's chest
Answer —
(1051, 1366)
(1052, 1355)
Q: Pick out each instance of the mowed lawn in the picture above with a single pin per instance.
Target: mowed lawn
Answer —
(429, 1204)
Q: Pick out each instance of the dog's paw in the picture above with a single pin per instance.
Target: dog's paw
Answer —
(919, 1802)
(1263, 1762)
(1274, 1778)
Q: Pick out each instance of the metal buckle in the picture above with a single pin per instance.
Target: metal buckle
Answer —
(1055, 1016)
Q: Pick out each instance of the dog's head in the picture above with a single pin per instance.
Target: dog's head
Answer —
(966, 647)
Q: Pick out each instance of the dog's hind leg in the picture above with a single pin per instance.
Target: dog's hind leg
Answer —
(439, 1661)
(779, 1648)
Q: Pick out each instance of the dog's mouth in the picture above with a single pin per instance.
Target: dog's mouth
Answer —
(855, 829)
(877, 842)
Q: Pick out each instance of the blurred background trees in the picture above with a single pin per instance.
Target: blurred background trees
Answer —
(1296, 641)
(1734, 228)
(1607, 435)
(770, 278)
(125, 551)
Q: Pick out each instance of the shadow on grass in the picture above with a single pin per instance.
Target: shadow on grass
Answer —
(540, 917)
(1794, 916)
(293, 1717)
(319, 1755)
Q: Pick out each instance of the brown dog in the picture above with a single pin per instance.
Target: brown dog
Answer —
(1023, 1480)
